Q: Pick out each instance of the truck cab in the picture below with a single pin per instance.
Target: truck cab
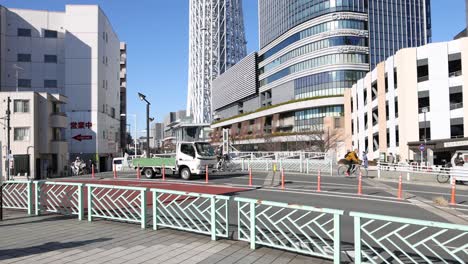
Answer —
(192, 158)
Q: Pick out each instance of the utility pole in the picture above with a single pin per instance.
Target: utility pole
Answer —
(8, 154)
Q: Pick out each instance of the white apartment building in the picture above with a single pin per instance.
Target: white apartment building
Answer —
(75, 53)
(418, 96)
(37, 134)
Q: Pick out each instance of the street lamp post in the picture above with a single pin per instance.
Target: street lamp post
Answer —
(424, 110)
(8, 154)
(134, 140)
(143, 98)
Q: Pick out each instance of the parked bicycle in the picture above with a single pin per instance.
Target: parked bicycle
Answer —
(356, 170)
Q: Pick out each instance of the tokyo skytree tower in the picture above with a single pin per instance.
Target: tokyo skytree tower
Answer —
(216, 42)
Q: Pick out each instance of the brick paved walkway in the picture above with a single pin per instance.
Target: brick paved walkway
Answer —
(57, 239)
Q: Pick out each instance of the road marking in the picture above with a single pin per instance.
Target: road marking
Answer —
(324, 193)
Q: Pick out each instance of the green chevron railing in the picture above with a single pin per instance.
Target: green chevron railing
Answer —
(303, 229)
(387, 239)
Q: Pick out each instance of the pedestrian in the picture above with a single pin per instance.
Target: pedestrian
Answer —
(365, 160)
(390, 158)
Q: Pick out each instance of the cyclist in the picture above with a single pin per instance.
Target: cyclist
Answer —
(352, 158)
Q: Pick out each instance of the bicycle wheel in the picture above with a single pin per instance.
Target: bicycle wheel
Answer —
(342, 170)
(443, 177)
(362, 170)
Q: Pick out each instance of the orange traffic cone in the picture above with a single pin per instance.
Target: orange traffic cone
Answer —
(318, 182)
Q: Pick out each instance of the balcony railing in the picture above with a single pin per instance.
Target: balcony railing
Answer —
(455, 73)
(423, 78)
(456, 106)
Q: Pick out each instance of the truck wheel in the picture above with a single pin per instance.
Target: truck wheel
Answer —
(185, 173)
(148, 172)
(157, 171)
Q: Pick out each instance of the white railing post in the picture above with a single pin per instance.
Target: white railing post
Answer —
(266, 163)
(37, 196)
(242, 164)
(307, 166)
(143, 208)
(336, 239)
(213, 218)
(378, 169)
(253, 236)
(80, 202)
(357, 240)
(90, 203)
(155, 210)
(331, 167)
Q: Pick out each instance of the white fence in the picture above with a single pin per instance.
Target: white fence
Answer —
(290, 165)
(416, 171)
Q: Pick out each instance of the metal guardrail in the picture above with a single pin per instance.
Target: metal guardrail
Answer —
(303, 229)
(193, 212)
(460, 173)
(121, 203)
(386, 239)
(291, 165)
(18, 195)
(277, 155)
(59, 197)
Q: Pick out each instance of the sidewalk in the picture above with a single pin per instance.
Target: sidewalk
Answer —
(58, 239)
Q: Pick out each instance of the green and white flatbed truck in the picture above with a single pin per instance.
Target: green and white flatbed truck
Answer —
(190, 159)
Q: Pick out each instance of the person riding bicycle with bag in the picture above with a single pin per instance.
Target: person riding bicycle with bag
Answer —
(352, 158)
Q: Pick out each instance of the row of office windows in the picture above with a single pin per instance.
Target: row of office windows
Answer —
(299, 12)
(312, 119)
(26, 83)
(320, 28)
(326, 83)
(26, 32)
(344, 58)
(318, 45)
(26, 57)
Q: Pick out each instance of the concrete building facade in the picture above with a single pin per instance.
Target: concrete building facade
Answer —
(75, 53)
(310, 53)
(418, 96)
(123, 96)
(38, 145)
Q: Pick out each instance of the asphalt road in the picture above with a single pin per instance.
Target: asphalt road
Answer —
(378, 197)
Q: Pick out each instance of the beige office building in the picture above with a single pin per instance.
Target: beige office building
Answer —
(38, 145)
(418, 96)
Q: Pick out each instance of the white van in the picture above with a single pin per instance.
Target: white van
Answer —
(118, 163)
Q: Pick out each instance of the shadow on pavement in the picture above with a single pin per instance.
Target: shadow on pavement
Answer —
(49, 219)
(44, 248)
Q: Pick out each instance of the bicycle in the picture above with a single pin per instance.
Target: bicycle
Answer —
(443, 176)
(356, 170)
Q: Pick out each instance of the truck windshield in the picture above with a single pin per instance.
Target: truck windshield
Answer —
(204, 149)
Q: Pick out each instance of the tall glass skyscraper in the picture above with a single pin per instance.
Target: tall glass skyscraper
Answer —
(310, 52)
(216, 42)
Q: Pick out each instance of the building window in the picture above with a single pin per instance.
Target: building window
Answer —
(455, 65)
(423, 101)
(24, 83)
(57, 134)
(365, 120)
(50, 33)
(423, 70)
(21, 133)
(397, 136)
(366, 144)
(375, 141)
(456, 98)
(112, 112)
(375, 116)
(387, 111)
(50, 83)
(50, 58)
(396, 107)
(386, 83)
(424, 130)
(24, 32)
(374, 90)
(395, 78)
(21, 106)
(457, 131)
(337, 122)
(22, 57)
(265, 98)
(388, 137)
(365, 96)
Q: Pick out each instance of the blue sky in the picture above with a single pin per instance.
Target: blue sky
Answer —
(156, 32)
